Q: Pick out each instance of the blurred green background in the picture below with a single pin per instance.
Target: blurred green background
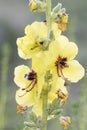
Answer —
(14, 16)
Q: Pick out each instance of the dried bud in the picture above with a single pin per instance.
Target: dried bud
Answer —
(21, 109)
(62, 96)
(65, 121)
(62, 23)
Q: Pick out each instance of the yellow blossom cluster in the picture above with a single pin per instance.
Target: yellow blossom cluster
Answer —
(57, 58)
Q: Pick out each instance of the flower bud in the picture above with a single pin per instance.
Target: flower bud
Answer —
(37, 5)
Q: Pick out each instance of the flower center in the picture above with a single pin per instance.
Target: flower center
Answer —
(60, 64)
(32, 76)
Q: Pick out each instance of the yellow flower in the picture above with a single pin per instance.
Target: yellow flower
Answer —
(53, 94)
(40, 64)
(61, 59)
(30, 84)
(25, 98)
(28, 79)
(35, 37)
(38, 29)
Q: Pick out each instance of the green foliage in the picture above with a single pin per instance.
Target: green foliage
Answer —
(32, 121)
(54, 109)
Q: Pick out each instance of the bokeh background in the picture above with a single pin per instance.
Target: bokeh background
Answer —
(14, 16)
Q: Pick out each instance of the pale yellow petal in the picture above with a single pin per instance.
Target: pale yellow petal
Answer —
(23, 98)
(37, 108)
(40, 83)
(39, 63)
(56, 30)
(70, 51)
(19, 74)
(23, 55)
(74, 72)
(57, 81)
(40, 29)
(26, 46)
(51, 97)
(52, 94)
(28, 29)
(62, 41)
(53, 51)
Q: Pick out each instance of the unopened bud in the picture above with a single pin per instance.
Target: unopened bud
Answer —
(37, 5)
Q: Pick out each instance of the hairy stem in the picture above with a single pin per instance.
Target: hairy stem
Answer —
(45, 91)
(48, 16)
(44, 107)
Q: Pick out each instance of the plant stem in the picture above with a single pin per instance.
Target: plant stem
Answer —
(48, 16)
(44, 107)
(45, 91)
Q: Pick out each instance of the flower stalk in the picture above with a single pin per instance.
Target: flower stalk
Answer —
(48, 17)
(44, 110)
(42, 88)
(45, 91)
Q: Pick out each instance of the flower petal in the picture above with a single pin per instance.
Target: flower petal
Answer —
(23, 98)
(40, 29)
(53, 51)
(74, 72)
(70, 50)
(62, 41)
(40, 84)
(37, 108)
(19, 73)
(56, 30)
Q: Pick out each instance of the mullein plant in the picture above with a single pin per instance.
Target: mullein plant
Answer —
(43, 87)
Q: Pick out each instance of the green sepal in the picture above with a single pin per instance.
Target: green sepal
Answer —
(56, 112)
(54, 109)
(33, 122)
(51, 36)
(57, 12)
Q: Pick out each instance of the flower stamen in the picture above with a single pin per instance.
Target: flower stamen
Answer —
(61, 64)
(33, 78)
